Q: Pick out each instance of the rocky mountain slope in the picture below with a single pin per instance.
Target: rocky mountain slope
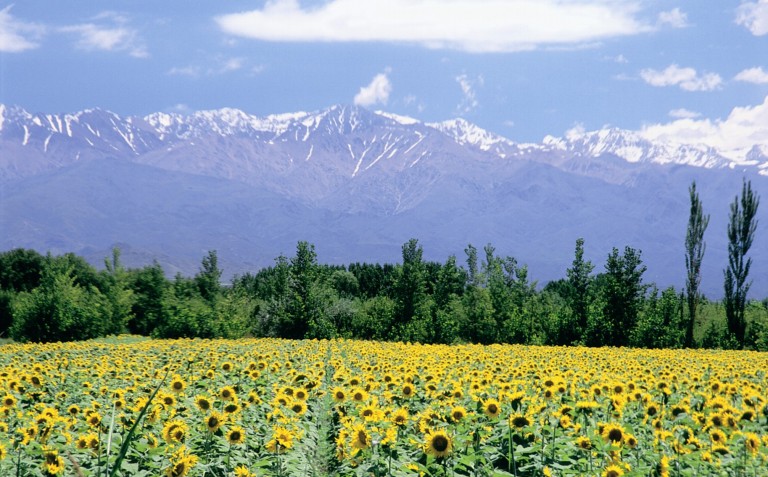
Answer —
(357, 184)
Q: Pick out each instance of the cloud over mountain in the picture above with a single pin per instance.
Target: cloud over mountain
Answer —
(468, 25)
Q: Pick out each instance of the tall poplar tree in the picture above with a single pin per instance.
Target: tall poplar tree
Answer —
(579, 281)
(741, 232)
(694, 253)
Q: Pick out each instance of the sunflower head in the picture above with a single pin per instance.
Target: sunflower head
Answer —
(458, 413)
(752, 442)
(519, 421)
(236, 435)
(583, 442)
(491, 408)
(438, 444)
(53, 463)
(203, 403)
(361, 439)
(214, 421)
(613, 471)
(613, 433)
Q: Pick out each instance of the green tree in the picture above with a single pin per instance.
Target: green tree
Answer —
(741, 233)
(118, 294)
(660, 323)
(59, 309)
(694, 254)
(150, 291)
(208, 279)
(623, 293)
(579, 293)
(303, 304)
(20, 271)
(410, 286)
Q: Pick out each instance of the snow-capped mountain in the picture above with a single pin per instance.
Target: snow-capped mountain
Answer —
(358, 184)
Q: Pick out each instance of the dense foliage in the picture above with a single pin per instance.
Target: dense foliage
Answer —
(490, 300)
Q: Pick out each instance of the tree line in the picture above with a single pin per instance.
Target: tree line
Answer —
(487, 298)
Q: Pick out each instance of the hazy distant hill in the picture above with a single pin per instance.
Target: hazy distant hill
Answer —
(357, 184)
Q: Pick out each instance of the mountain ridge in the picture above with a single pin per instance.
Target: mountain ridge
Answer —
(358, 184)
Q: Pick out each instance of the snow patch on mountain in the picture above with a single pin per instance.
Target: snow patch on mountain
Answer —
(106, 131)
(405, 120)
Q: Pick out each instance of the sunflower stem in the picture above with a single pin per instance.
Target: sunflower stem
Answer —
(109, 436)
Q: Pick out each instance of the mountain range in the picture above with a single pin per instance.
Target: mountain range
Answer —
(358, 184)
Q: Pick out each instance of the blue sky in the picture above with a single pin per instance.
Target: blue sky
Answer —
(687, 71)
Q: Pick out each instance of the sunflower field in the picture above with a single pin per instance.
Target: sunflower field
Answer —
(131, 406)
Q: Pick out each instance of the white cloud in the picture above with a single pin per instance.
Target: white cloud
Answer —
(15, 35)
(686, 78)
(620, 59)
(683, 113)
(753, 16)
(674, 18)
(735, 135)
(232, 64)
(376, 92)
(468, 25)
(192, 71)
(753, 75)
(468, 86)
(116, 35)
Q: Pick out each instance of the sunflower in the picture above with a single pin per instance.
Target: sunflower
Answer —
(236, 435)
(281, 437)
(438, 444)
(242, 471)
(583, 442)
(232, 407)
(716, 420)
(586, 407)
(407, 390)
(679, 409)
(662, 468)
(519, 421)
(371, 413)
(214, 421)
(613, 433)
(178, 384)
(630, 441)
(613, 471)
(301, 394)
(400, 417)
(73, 410)
(227, 393)
(93, 419)
(361, 439)
(359, 395)
(720, 449)
(752, 442)
(181, 463)
(53, 463)
(9, 401)
(299, 407)
(339, 394)
(458, 413)
(717, 436)
(203, 403)
(491, 408)
(174, 431)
